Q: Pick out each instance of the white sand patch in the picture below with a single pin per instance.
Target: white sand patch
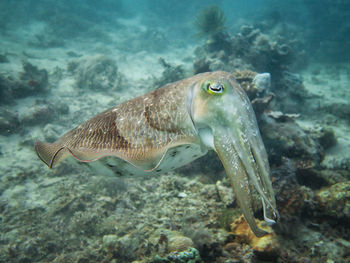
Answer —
(331, 83)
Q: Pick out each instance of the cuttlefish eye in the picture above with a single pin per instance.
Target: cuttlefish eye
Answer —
(215, 88)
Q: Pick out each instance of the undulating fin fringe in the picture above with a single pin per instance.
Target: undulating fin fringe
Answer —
(51, 153)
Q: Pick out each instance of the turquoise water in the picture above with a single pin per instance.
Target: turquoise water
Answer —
(63, 62)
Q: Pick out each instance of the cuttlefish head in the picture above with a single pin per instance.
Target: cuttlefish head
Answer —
(225, 121)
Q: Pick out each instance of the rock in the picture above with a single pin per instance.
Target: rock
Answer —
(335, 200)
(178, 242)
(266, 247)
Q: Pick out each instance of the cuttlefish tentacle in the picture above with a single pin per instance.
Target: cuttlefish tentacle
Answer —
(237, 175)
(254, 155)
(231, 119)
(170, 127)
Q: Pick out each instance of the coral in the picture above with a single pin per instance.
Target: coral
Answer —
(290, 197)
(245, 79)
(210, 24)
(260, 51)
(260, 105)
(191, 255)
(201, 65)
(31, 81)
(266, 247)
(289, 140)
(257, 86)
(290, 90)
(254, 84)
(226, 216)
(98, 73)
(34, 80)
(335, 200)
(170, 74)
(249, 49)
(210, 21)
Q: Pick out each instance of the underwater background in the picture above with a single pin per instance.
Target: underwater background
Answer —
(62, 62)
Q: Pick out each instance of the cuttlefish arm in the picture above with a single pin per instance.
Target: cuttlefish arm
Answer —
(226, 123)
(209, 110)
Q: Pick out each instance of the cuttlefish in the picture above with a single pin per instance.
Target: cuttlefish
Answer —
(170, 127)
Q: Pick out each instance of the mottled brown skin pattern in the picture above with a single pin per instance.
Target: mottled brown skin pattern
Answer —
(209, 111)
(138, 130)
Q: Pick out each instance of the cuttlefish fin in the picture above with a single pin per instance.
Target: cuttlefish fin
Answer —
(168, 146)
(158, 164)
(51, 153)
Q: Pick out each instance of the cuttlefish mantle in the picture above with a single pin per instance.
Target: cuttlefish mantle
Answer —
(173, 125)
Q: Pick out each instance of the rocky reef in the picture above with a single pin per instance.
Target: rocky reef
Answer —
(73, 214)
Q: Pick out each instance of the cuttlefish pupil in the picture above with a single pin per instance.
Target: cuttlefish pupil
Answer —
(215, 88)
(172, 126)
